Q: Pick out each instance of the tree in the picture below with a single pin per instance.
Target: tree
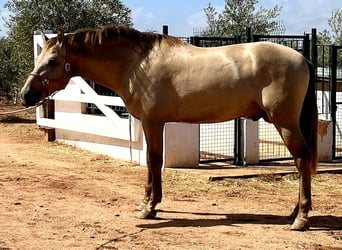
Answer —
(31, 15)
(335, 23)
(325, 38)
(239, 14)
(213, 27)
(105, 12)
(7, 71)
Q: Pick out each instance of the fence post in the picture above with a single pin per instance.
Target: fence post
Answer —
(194, 40)
(249, 34)
(239, 158)
(306, 46)
(255, 38)
(238, 39)
(165, 29)
(49, 112)
(314, 48)
(333, 69)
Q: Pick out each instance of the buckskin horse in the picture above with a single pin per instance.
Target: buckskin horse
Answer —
(163, 79)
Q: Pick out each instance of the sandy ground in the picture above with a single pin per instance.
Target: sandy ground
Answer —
(54, 196)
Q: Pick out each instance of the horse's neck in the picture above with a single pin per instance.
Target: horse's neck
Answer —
(110, 68)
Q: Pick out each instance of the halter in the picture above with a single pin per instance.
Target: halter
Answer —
(62, 80)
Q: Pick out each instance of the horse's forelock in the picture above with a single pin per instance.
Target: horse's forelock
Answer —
(51, 42)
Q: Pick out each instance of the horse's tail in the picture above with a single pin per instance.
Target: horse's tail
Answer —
(309, 118)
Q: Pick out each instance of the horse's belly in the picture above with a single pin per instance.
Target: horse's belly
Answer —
(215, 109)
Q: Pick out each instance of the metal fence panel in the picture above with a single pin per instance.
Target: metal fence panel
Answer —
(336, 98)
(271, 145)
(338, 127)
(299, 43)
(217, 141)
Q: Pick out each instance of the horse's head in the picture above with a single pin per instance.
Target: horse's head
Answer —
(51, 71)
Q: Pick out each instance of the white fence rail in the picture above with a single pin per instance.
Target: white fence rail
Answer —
(69, 116)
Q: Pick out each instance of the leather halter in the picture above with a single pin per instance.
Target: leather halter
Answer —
(62, 80)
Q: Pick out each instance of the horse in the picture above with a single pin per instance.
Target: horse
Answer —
(162, 79)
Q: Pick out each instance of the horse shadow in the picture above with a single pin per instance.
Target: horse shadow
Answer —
(15, 119)
(317, 223)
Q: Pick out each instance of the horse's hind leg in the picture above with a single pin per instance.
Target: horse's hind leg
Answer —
(304, 202)
(296, 144)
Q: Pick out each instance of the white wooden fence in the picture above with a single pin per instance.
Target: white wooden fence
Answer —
(69, 114)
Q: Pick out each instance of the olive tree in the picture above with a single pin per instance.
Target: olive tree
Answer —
(239, 14)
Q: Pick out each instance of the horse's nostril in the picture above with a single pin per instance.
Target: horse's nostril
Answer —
(25, 98)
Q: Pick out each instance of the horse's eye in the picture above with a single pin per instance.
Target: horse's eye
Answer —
(52, 62)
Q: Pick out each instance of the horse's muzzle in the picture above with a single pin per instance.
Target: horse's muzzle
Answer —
(28, 99)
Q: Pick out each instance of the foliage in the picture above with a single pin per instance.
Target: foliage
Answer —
(31, 15)
(212, 21)
(7, 71)
(239, 14)
(335, 23)
(325, 38)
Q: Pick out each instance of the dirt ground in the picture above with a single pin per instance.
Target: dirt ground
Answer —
(54, 196)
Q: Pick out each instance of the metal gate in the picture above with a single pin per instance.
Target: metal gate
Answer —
(336, 99)
(271, 146)
(217, 140)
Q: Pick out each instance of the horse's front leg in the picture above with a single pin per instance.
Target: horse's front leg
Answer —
(148, 190)
(153, 188)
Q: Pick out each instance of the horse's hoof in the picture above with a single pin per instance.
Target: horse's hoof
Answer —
(143, 214)
(141, 206)
(300, 225)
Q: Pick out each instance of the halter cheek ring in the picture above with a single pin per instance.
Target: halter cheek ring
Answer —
(67, 67)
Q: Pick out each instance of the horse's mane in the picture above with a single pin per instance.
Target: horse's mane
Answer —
(94, 37)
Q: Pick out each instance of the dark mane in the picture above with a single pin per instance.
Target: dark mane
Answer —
(94, 37)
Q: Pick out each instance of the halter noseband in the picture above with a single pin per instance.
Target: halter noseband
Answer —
(62, 80)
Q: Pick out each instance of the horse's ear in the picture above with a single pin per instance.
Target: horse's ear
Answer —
(44, 37)
(60, 38)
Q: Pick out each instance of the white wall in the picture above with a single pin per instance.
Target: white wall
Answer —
(181, 145)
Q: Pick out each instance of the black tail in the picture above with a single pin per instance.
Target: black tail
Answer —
(309, 118)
